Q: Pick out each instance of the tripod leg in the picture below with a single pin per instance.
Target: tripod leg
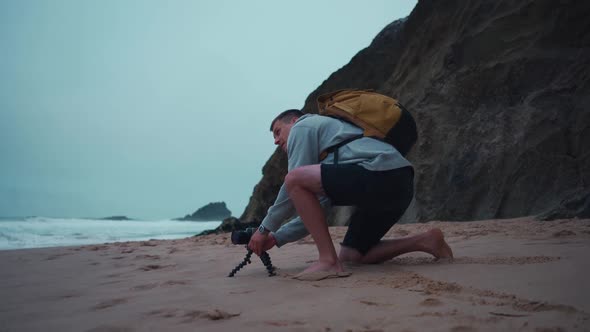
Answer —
(265, 258)
(243, 263)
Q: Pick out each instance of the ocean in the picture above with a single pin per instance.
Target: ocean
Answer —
(40, 232)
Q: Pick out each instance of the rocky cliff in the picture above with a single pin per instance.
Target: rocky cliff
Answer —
(500, 91)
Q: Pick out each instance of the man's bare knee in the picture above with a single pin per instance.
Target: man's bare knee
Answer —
(292, 179)
(306, 177)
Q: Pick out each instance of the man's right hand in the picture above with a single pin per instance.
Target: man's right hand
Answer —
(260, 243)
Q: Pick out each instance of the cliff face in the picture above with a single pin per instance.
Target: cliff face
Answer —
(500, 92)
(266, 191)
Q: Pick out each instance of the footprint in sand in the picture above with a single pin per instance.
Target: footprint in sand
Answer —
(56, 256)
(190, 316)
(463, 328)
(242, 292)
(97, 248)
(430, 302)
(152, 257)
(371, 303)
(109, 303)
(111, 328)
(145, 287)
(535, 306)
(550, 329)
(70, 295)
(165, 313)
(152, 267)
(563, 233)
(156, 284)
(283, 323)
(176, 282)
(495, 260)
(214, 314)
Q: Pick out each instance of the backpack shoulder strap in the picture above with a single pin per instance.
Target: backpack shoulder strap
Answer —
(334, 148)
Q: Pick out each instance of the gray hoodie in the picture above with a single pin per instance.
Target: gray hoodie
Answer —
(309, 136)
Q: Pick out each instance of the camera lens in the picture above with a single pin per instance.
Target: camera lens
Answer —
(242, 237)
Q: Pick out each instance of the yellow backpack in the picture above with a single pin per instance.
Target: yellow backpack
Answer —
(381, 117)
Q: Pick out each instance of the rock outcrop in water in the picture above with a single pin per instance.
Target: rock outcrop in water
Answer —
(500, 91)
(210, 212)
(122, 218)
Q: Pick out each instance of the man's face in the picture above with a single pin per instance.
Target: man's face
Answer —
(280, 132)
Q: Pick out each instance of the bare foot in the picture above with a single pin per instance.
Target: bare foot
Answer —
(436, 245)
(322, 267)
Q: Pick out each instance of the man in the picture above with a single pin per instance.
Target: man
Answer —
(370, 174)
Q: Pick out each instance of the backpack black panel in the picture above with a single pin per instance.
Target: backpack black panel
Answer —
(404, 134)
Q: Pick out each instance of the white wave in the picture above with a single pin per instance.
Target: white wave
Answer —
(36, 232)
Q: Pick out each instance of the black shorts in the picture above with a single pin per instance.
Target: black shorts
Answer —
(380, 197)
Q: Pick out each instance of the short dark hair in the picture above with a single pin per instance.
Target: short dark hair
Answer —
(287, 116)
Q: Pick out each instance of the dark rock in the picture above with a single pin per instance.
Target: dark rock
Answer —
(116, 218)
(210, 212)
(265, 192)
(577, 205)
(500, 92)
(229, 225)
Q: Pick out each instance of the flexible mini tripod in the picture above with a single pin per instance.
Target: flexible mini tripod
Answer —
(264, 257)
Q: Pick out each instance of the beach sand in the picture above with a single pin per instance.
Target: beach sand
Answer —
(511, 275)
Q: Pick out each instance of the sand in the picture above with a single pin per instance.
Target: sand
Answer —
(511, 275)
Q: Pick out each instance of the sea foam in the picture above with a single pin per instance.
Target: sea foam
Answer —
(39, 232)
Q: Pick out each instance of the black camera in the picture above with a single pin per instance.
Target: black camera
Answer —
(242, 236)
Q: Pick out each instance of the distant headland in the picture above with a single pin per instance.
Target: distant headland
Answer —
(116, 218)
(211, 212)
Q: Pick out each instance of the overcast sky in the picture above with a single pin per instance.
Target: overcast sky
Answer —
(152, 109)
